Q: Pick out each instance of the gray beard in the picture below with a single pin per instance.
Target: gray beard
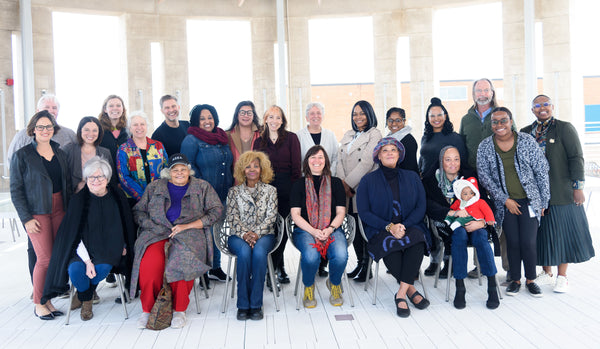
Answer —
(486, 102)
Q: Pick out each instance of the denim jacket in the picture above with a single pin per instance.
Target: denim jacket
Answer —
(213, 163)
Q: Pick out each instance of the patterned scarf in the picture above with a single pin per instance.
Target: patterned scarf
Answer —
(542, 136)
(319, 209)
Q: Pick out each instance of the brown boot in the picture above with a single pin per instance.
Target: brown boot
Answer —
(86, 310)
(75, 302)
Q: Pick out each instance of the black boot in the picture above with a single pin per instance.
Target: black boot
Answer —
(430, 271)
(362, 275)
(270, 286)
(282, 276)
(356, 270)
(492, 302)
(459, 298)
(444, 271)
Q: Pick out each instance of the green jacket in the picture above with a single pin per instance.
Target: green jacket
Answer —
(565, 156)
(474, 131)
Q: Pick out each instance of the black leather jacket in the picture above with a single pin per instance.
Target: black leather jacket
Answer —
(30, 184)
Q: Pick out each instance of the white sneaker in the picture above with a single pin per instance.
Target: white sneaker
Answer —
(143, 320)
(562, 284)
(178, 319)
(544, 278)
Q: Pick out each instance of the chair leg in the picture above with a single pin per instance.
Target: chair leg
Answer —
(376, 282)
(224, 303)
(369, 263)
(298, 274)
(271, 274)
(71, 295)
(298, 294)
(422, 283)
(233, 279)
(203, 286)
(196, 294)
(345, 278)
(439, 267)
(476, 260)
(498, 287)
(449, 277)
(123, 296)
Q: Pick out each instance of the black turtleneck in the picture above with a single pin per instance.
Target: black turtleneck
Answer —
(391, 176)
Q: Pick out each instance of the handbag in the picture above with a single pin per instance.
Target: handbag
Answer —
(162, 311)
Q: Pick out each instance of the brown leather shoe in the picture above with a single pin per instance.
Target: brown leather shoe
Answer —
(86, 310)
(75, 302)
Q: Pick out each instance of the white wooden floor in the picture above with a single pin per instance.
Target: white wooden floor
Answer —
(569, 320)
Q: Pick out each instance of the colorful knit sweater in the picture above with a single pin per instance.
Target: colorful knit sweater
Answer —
(130, 166)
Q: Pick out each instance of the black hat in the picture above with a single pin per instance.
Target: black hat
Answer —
(177, 159)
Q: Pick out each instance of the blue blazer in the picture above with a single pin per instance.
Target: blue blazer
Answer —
(374, 202)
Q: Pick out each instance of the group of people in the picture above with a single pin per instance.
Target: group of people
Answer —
(108, 200)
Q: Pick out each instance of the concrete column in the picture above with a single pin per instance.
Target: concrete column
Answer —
(299, 67)
(264, 36)
(418, 27)
(43, 54)
(385, 38)
(173, 37)
(141, 31)
(515, 79)
(562, 81)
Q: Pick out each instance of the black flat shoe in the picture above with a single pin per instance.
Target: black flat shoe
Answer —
(256, 314)
(242, 314)
(322, 272)
(57, 313)
(270, 287)
(48, 316)
(283, 277)
(362, 276)
(444, 272)
(400, 311)
(424, 303)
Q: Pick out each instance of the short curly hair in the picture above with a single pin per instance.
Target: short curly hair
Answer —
(266, 172)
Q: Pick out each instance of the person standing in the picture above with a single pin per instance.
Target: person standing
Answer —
(40, 188)
(283, 150)
(243, 130)
(395, 119)
(513, 169)
(172, 131)
(113, 118)
(564, 234)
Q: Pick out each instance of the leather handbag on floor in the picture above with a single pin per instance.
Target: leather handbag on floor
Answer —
(162, 311)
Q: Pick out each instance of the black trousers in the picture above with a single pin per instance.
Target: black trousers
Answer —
(404, 265)
(521, 239)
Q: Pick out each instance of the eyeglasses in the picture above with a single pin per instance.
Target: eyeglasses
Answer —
(398, 121)
(545, 104)
(42, 127)
(500, 122)
(487, 90)
(246, 112)
(96, 178)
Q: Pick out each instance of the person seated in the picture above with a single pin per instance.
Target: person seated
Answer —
(251, 213)
(318, 208)
(391, 204)
(178, 208)
(95, 236)
(469, 206)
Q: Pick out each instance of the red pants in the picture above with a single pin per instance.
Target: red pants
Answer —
(43, 242)
(152, 268)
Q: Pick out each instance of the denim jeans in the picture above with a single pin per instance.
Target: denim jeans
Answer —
(216, 262)
(479, 239)
(81, 281)
(251, 269)
(310, 258)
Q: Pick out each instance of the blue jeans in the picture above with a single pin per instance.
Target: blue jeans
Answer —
(310, 258)
(479, 240)
(251, 269)
(81, 281)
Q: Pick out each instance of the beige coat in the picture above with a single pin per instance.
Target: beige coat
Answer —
(357, 161)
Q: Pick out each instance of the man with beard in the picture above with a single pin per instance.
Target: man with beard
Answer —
(475, 126)
(172, 131)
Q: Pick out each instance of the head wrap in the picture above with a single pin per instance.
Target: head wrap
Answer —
(386, 141)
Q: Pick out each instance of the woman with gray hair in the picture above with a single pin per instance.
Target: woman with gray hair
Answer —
(314, 134)
(139, 159)
(96, 235)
